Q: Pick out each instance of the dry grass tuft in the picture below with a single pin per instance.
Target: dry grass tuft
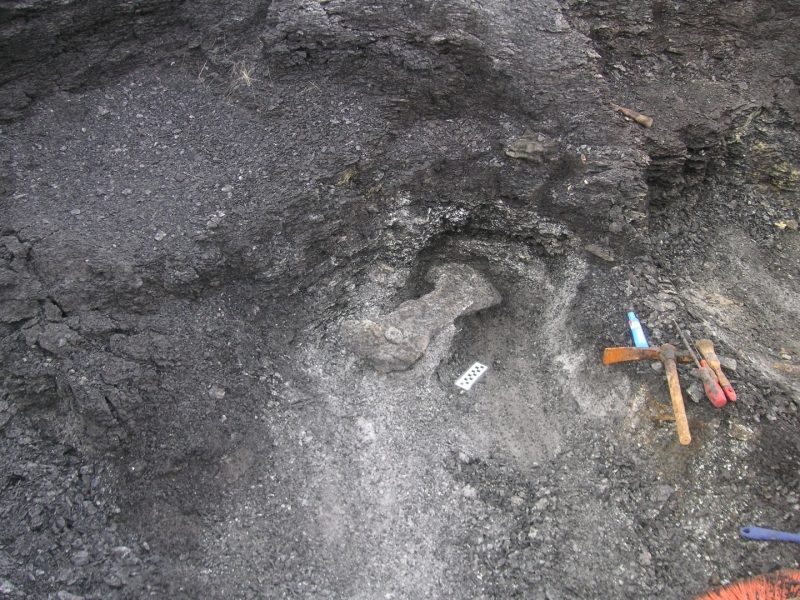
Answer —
(200, 76)
(241, 77)
(241, 74)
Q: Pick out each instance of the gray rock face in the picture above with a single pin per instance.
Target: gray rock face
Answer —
(396, 341)
(49, 45)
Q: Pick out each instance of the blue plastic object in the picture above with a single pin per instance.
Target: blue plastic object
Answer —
(636, 329)
(769, 535)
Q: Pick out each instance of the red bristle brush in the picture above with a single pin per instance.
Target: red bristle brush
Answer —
(781, 585)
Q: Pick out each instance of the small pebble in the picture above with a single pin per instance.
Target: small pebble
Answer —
(80, 558)
(739, 432)
(393, 335)
(696, 392)
(113, 581)
(645, 558)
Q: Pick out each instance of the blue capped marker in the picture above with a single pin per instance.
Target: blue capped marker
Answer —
(636, 330)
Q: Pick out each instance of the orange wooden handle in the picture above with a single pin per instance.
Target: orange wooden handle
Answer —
(714, 363)
(615, 355)
(668, 356)
(706, 348)
(624, 354)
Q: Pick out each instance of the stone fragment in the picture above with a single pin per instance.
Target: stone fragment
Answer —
(114, 371)
(92, 405)
(396, 341)
(394, 335)
(599, 252)
(367, 430)
(528, 147)
(728, 363)
(741, 432)
(12, 311)
(52, 312)
(217, 392)
(95, 322)
(696, 392)
(57, 337)
(215, 219)
(113, 581)
(661, 494)
(20, 290)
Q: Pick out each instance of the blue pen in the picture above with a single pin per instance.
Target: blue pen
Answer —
(636, 330)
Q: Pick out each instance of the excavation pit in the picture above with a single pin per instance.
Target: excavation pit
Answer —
(193, 212)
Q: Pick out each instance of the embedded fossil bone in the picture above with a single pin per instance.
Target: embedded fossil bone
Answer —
(396, 341)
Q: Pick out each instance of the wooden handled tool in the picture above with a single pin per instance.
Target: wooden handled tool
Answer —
(713, 390)
(625, 354)
(668, 355)
(706, 350)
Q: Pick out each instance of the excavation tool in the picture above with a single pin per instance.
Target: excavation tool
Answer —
(706, 350)
(706, 375)
(769, 535)
(668, 355)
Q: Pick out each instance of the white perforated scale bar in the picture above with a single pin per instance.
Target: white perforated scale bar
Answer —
(471, 376)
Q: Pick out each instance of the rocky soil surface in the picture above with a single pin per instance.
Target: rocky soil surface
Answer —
(247, 248)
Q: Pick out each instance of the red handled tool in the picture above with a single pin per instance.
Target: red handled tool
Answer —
(706, 375)
(706, 350)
